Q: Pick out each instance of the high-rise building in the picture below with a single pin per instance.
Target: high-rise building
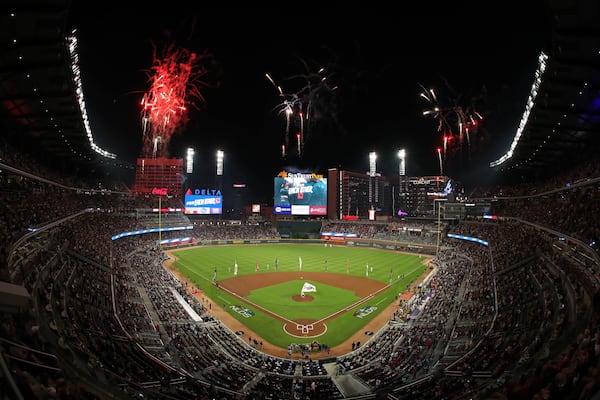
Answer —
(165, 174)
(351, 195)
(417, 194)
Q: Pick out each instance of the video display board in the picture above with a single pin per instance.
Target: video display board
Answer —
(203, 202)
(300, 194)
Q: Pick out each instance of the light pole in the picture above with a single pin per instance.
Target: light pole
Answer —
(401, 175)
(372, 180)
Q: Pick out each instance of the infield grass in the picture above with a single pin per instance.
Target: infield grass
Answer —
(326, 301)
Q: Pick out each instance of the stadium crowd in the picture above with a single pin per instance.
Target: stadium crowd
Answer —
(105, 319)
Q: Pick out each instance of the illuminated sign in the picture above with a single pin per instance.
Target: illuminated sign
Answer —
(300, 194)
(420, 181)
(285, 174)
(203, 201)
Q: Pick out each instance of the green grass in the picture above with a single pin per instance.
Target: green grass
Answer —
(198, 265)
(327, 300)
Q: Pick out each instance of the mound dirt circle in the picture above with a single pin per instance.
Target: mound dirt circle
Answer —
(303, 299)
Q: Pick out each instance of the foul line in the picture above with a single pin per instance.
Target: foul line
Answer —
(358, 303)
(322, 320)
(254, 304)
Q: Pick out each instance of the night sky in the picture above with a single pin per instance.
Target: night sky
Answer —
(376, 58)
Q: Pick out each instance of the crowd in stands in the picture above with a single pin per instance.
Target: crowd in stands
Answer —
(211, 232)
(582, 174)
(396, 231)
(105, 319)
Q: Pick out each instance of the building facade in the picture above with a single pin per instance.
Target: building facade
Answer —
(353, 195)
(416, 195)
(153, 174)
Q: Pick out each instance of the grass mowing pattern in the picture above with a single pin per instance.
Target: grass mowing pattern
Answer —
(198, 264)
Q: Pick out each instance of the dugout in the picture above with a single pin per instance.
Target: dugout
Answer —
(299, 229)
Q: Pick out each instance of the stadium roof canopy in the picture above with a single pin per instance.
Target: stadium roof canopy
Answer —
(40, 111)
(563, 125)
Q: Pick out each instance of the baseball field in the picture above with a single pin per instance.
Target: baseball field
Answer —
(261, 286)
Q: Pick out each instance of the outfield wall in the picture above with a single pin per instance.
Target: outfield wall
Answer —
(299, 229)
(354, 242)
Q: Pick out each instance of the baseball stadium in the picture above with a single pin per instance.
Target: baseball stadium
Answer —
(161, 279)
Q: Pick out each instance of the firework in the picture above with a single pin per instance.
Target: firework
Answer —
(175, 82)
(287, 106)
(454, 120)
(445, 140)
(303, 106)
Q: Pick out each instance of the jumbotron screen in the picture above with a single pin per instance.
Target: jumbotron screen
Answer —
(300, 194)
(203, 204)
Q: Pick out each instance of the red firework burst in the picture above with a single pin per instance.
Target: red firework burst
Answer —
(176, 80)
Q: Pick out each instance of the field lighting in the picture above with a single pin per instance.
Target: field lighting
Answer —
(372, 163)
(220, 155)
(189, 160)
(402, 156)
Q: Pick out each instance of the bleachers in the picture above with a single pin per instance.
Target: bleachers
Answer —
(104, 319)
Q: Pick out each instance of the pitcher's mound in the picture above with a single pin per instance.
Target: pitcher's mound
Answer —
(302, 299)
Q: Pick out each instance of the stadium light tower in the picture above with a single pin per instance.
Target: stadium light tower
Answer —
(220, 156)
(402, 156)
(373, 192)
(372, 163)
(401, 176)
(189, 159)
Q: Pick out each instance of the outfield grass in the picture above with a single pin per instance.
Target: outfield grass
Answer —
(199, 263)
